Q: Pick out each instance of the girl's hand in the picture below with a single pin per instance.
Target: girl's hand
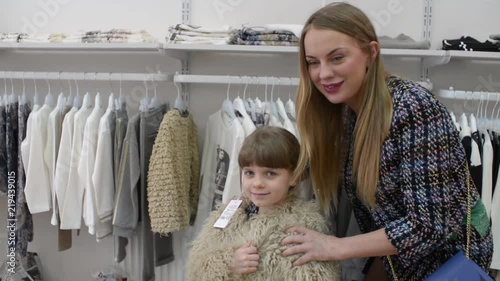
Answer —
(246, 260)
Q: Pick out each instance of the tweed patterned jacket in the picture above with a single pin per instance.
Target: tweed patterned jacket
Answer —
(421, 196)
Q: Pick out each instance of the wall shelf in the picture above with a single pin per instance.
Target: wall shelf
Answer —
(178, 51)
(465, 55)
(431, 57)
(85, 47)
(181, 52)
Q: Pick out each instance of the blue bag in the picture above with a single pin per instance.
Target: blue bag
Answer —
(459, 268)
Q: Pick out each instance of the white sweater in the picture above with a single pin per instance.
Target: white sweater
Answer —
(61, 178)
(87, 164)
(37, 189)
(71, 214)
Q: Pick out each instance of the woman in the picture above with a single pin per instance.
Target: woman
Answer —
(390, 144)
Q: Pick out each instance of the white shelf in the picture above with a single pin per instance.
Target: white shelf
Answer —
(181, 51)
(95, 47)
(475, 55)
(226, 79)
(456, 94)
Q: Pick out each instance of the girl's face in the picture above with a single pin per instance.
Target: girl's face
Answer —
(337, 65)
(265, 187)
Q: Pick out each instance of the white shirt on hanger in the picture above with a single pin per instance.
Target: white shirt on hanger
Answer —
(54, 131)
(220, 172)
(63, 162)
(87, 164)
(103, 175)
(71, 215)
(37, 189)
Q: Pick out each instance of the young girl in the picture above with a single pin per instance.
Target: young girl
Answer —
(248, 248)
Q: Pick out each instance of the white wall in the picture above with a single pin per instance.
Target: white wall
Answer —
(451, 19)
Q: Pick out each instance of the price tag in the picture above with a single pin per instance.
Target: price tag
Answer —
(227, 214)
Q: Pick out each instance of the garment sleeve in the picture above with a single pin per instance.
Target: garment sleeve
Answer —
(126, 215)
(210, 257)
(314, 270)
(424, 143)
(37, 189)
(102, 176)
(194, 186)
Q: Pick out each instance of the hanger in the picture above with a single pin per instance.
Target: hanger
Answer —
(496, 121)
(111, 98)
(121, 99)
(87, 101)
(492, 121)
(155, 101)
(12, 96)
(98, 101)
(61, 100)
(69, 99)
(290, 105)
(272, 103)
(77, 102)
(36, 100)
(5, 85)
(245, 101)
(227, 105)
(2, 98)
(23, 99)
(49, 98)
(144, 102)
(179, 102)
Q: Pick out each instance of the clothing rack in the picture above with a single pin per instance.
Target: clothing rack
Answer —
(226, 79)
(468, 95)
(89, 76)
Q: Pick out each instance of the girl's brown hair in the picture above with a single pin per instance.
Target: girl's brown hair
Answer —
(270, 147)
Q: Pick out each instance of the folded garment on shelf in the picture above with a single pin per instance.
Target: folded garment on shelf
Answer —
(12, 37)
(296, 29)
(199, 29)
(270, 37)
(402, 41)
(240, 41)
(93, 36)
(188, 34)
(467, 43)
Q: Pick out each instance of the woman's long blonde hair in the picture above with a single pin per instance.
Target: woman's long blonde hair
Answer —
(321, 125)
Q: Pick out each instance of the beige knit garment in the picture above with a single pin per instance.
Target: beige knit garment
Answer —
(174, 170)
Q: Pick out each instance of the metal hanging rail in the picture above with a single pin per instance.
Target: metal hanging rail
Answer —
(225, 79)
(88, 76)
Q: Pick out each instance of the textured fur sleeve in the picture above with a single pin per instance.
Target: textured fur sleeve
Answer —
(275, 266)
(310, 217)
(211, 254)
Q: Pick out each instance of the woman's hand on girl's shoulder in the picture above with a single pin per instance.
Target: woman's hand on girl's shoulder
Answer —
(312, 245)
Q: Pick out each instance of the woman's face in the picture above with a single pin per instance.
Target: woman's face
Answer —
(336, 64)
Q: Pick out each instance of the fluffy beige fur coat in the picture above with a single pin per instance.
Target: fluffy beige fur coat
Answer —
(212, 252)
